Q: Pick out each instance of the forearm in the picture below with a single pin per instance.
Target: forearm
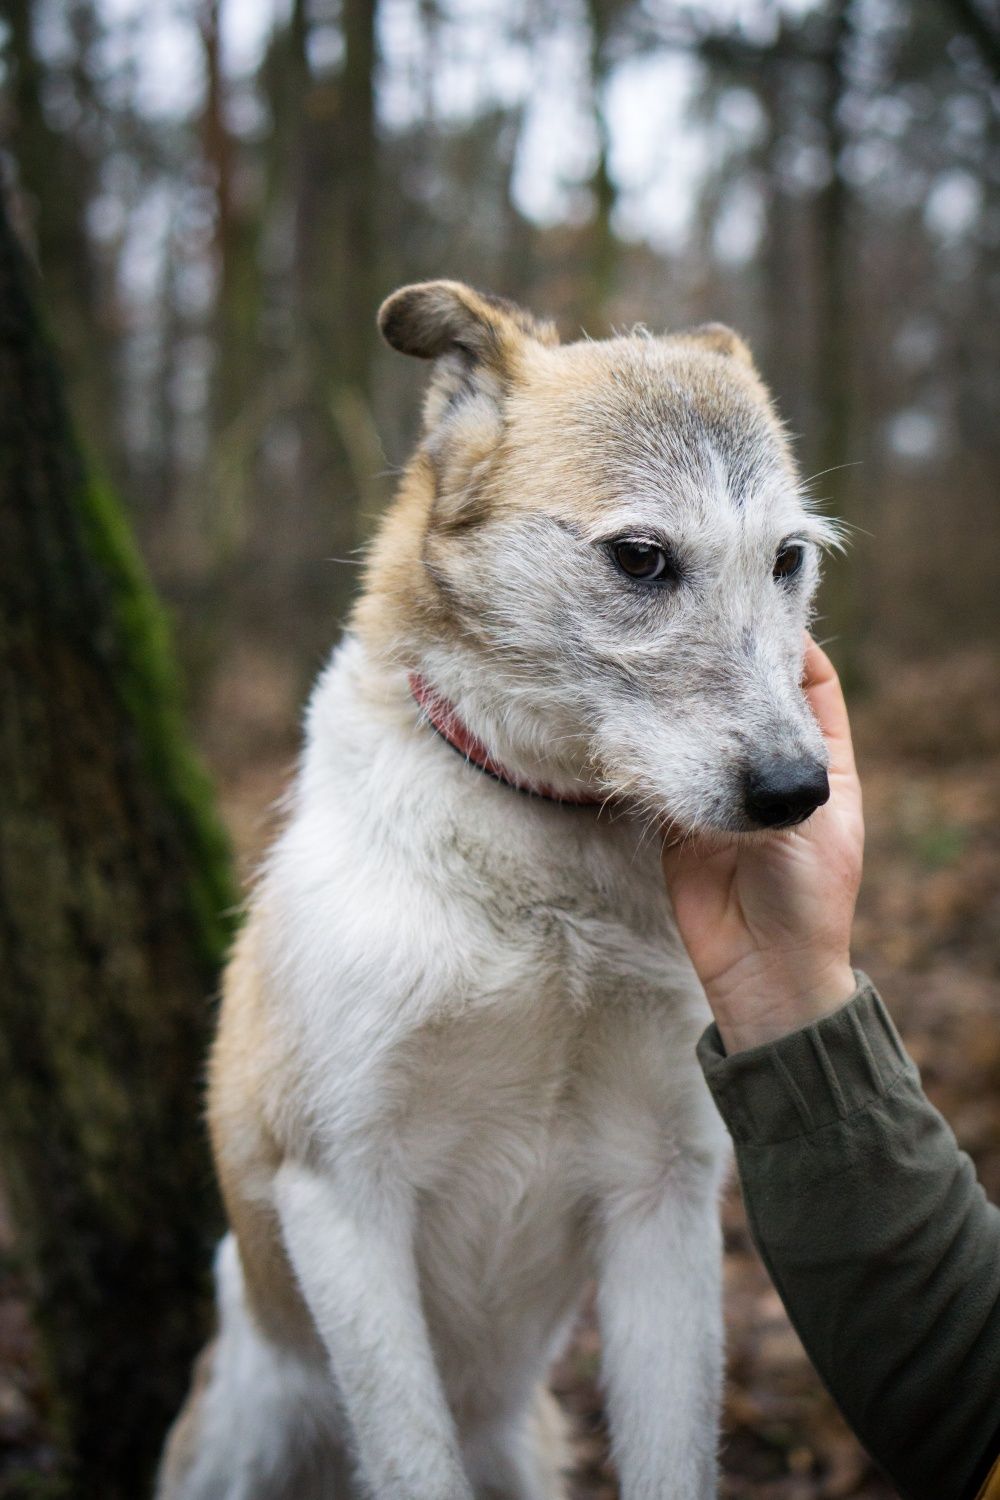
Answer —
(878, 1238)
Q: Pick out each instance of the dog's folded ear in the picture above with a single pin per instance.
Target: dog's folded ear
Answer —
(718, 338)
(478, 343)
(435, 318)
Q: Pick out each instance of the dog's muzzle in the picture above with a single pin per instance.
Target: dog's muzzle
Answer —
(780, 791)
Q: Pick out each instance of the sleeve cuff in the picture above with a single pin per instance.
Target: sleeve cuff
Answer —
(810, 1078)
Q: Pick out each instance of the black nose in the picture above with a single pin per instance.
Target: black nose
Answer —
(780, 792)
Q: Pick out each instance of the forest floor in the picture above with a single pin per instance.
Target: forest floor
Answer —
(928, 932)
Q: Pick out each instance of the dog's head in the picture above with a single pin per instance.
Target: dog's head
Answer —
(602, 554)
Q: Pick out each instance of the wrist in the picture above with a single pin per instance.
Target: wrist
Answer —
(761, 1001)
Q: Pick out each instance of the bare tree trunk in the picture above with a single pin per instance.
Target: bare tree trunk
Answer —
(983, 26)
(604, 244)
(218, 529)
(113, 895)
(360, 195)
(57, 177)
(833, 383)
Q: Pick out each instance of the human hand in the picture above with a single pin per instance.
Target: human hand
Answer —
(767, 923)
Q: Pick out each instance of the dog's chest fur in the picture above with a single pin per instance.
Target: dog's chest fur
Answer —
(482, 986)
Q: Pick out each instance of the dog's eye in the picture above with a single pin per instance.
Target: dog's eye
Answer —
(789, 560)
(642, 560)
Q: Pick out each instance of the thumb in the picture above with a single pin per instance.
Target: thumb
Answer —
(826, 699)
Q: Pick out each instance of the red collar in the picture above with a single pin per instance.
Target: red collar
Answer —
(444, 717)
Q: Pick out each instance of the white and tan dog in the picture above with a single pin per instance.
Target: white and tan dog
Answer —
(455, 1074)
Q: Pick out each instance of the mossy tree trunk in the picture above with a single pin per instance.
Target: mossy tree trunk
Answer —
(113, 900)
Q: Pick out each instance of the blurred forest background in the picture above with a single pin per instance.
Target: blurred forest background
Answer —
(218, 193)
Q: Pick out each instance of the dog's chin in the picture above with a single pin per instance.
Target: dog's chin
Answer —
(711, 837)
(708, 838)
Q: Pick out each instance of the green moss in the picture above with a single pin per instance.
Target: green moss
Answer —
(150, 688)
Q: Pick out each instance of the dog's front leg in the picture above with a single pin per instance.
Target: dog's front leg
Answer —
(351, 1248)
(659, 1303)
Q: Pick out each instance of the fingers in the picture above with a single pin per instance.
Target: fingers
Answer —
(826, 698)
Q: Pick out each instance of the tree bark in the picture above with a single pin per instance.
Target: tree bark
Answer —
(56, 173)
(834, 353)
(603, 256)
(359, 272)
(983, 29)
(113, 900)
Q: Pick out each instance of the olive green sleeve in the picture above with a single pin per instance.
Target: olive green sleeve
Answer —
(877, 1236)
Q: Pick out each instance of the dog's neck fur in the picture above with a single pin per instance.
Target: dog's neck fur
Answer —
(445, 719)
